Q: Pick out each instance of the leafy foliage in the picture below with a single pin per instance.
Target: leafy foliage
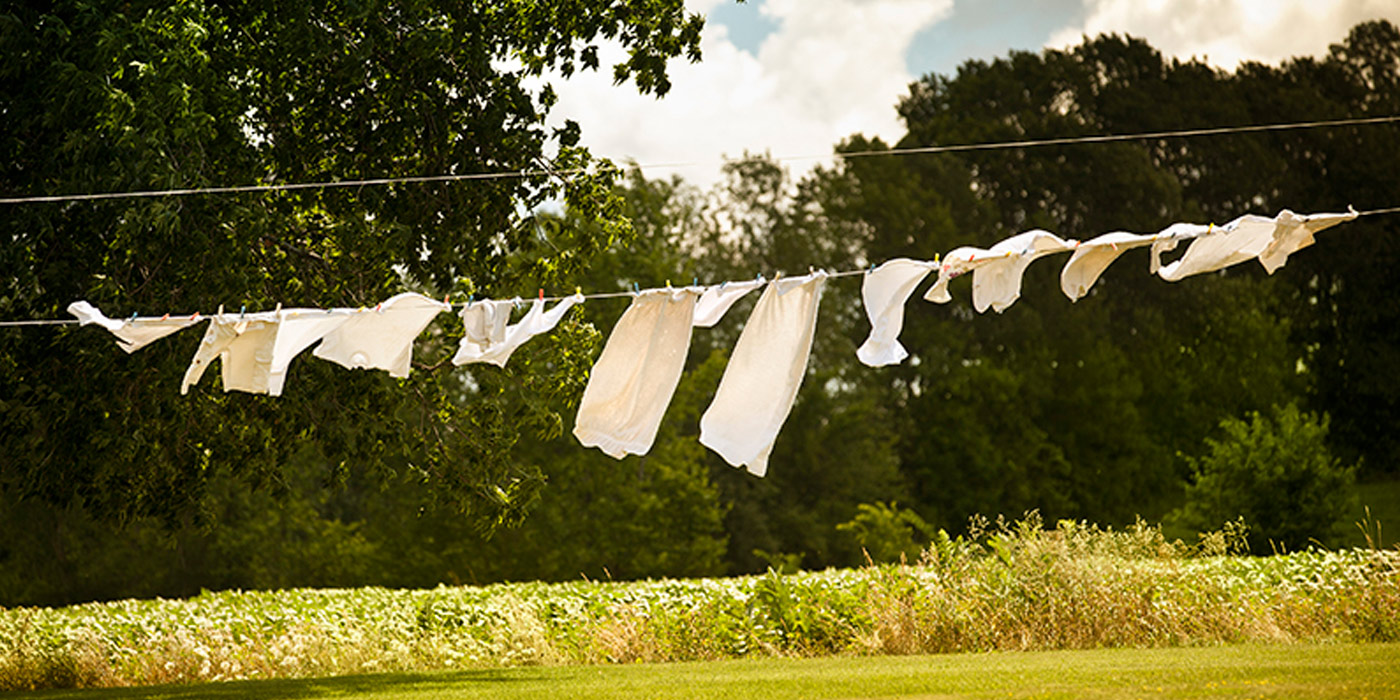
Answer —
(1016, 586)
(1278, 474)
(116, 97)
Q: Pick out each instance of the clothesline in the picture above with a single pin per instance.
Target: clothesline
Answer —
(520, 174)
(589, 296)
(635, 376)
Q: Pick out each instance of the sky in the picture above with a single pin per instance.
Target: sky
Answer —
(794, 77)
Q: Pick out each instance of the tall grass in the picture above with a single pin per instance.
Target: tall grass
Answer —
(1007, 586)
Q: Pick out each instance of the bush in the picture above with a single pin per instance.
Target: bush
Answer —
(1278, 475)
(887, 532)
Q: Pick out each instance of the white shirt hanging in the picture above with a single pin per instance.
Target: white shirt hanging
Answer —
(884, 291)
(764, 373)
(633, 381)
(381, 338)
(243, 344)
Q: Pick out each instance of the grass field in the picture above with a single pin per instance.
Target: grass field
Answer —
(1020, 588)
(1250, 671)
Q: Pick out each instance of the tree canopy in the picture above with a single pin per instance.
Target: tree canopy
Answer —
(114, 97)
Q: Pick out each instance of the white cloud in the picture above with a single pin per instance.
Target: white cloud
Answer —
(829, 70)
(1227, 32)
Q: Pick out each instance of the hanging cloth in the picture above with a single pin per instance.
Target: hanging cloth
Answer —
(760, 383)
(633, 381)
(243, 344)
(297, 330)
(997, 271)
(497, 350)
(381, 338)
(1218, 247)
(1093, 256)
(716, 300)
(483, 328)
(1294, 233)
(884, 292)
(135, 333)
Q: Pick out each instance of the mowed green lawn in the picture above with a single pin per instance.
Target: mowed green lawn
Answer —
(1283, 671)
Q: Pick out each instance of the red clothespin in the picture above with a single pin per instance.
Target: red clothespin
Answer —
(541, 294)
(379, 308)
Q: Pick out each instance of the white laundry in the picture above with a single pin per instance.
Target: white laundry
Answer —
(135, 333)
(1218, 247)
(633, 381)
(1169, 237)
(381, 338)
(956, 263)
(297, 330)
(1093, 256)
(1294, 233)
(760, 383)
(996, 271)
(484, 327)
(717, 299)
(884, 293)
(243, 344)
(535, 322)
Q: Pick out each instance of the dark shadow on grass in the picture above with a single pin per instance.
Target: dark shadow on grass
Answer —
(430, 684)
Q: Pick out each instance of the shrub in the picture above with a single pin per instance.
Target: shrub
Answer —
(1277, 474)
(887, 532)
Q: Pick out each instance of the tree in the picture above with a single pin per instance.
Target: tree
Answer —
(1278, 474)
(117, 97)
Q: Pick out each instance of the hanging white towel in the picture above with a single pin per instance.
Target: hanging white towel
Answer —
(884, 293)
(1294, 233)
(717, 299)
(633, 381)
(484, 327)
(132, 334)
(535, 322)
(243, 344)
(381, 338)
(761, 381)
(1093, 256)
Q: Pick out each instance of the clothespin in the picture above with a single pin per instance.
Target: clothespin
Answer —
(165, 317)
(133, 317)
(578, 291)
(379, 308)
(695, 281)
(194, 315)
(541, 293)
(278, 310)
(242, 311)
(668, 285)
(447, 299)
(971, 257)
(221, 311)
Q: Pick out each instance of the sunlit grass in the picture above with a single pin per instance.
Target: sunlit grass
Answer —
(1311, 671)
